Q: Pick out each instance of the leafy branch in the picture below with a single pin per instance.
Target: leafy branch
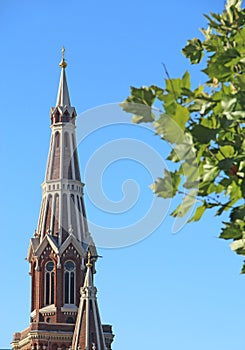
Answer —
(204, 125)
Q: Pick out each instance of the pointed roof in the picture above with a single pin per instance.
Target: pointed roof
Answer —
(88, 333)
(63, 98)
(63, 112)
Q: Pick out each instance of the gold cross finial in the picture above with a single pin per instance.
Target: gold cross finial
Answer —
(63, 63)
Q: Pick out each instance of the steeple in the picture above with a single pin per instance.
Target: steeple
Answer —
(59, 249)
(63, 211)
(63, 98)
(60, 243)
(88, 333)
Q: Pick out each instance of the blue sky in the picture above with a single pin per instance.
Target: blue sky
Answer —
(168, 291)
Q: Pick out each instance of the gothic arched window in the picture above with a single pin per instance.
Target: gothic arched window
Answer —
(49, 283)
(69, 277)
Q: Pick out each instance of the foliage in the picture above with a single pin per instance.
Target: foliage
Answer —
(205, 125)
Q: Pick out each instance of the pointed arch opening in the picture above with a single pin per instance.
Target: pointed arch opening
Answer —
(49, 283)
(69, 282)
(55, 167)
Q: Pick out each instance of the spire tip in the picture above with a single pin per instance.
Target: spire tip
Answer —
(63, 63)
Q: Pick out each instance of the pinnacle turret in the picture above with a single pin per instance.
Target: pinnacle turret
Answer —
(88, 333)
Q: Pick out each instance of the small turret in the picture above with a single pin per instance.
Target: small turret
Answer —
(88, 333)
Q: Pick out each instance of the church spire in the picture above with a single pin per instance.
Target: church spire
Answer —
(88, 333)
(63, 98)
(63, 212)
(60, 246)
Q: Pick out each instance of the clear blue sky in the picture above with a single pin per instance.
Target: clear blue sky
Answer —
(169, 291)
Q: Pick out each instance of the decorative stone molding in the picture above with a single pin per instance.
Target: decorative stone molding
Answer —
(69, 309)
(48, 310)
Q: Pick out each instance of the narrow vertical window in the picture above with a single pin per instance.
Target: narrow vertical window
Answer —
(52, 288)
(49, 283)
(72, 287)
(66, 287)
(69, 280)
(57, 139)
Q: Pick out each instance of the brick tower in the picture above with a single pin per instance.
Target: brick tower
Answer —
(61, 253)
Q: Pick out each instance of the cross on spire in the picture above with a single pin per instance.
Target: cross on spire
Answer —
(63, 63)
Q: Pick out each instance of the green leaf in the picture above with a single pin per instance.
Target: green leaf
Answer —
(143, 118)
(186, 204)
(168, 130)
(186, 81)
(184, 151)
(236, 3)
(193, 50)
(218, 70)
(198, 213)
(227, 151)
(167, 187)
(226, 164)
(228, 103)
(203, 134)
(159, 92)
(209, 172)
(234, 191)
(238, 213)
(231, 233)
(142, 113)
(243, 187)
(173, 87)
(223, 208)
(243, 269)
(143, 95)
(181, 116)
